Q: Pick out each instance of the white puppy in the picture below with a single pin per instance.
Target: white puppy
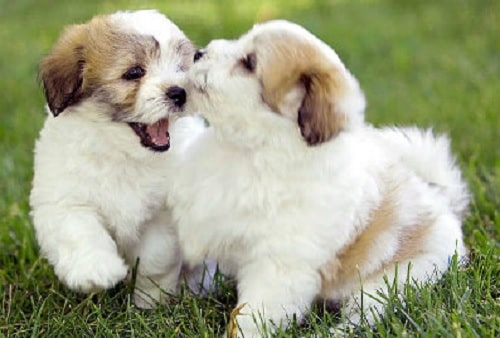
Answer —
(99, 190)
(299, 198)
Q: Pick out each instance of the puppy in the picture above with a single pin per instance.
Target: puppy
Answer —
(300, 199)
(99, 190)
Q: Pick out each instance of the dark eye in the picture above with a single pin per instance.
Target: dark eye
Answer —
(198, 55)
(249, 62)
(134, 73)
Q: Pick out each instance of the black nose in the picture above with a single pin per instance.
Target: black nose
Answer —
(198, 55)
(177, 95)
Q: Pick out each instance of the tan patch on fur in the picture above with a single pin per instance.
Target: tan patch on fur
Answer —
(93, 57)
(186, 50)
(345, 267)
(412, 240)
(285, 60)
(349, 267)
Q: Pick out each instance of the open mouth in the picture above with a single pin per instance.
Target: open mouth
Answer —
(153, 136)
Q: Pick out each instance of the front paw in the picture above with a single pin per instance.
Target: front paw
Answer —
(150, 291)
(91, 272)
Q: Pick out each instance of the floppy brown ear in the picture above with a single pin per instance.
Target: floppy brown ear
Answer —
(320, 117)
(289, 60)
(61, 71)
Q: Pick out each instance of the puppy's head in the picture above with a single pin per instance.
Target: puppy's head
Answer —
(121, 68)
(279, 66)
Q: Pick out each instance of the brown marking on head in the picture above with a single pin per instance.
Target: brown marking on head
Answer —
(286, 60)
(90, 59)
(186, 50)
(61, 71)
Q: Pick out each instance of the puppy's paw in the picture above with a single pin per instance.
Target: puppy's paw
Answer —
(150, 291)
(99, 270)
(147, 299)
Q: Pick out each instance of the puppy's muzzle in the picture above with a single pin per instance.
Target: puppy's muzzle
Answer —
(176, 95)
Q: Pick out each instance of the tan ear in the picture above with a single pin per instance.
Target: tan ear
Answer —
(286, 60)
(320, 117)
(61, 72)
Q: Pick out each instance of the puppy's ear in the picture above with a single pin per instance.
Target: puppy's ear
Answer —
(330, 95)
(320, 117)
(61, 72)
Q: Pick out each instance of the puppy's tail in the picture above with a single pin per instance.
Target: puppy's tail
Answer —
(430, 157)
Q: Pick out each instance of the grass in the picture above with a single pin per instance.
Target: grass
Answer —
(430, 63)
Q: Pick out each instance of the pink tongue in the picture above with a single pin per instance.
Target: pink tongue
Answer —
(158, 132)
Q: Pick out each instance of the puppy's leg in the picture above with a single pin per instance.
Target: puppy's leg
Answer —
(201, 278)
(271, 295)
(159, 262)
(82, 252)
(425, 263)
(369, 304)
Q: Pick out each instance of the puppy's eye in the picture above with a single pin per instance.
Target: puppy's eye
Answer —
(249, 62)
(198, 55)
(134, 73)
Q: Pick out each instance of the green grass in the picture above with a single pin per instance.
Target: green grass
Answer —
(430, 63)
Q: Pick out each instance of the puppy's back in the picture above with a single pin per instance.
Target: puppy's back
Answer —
(430, 157)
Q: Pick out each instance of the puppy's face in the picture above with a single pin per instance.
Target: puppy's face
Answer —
(122, 68)
(279, 68)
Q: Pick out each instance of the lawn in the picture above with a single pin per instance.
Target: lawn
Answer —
(430, 63)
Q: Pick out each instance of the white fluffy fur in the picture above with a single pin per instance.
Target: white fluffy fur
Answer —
(98, 196)
(278, 213)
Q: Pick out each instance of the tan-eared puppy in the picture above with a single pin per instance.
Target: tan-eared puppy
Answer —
(99, 188)
(301, 199)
